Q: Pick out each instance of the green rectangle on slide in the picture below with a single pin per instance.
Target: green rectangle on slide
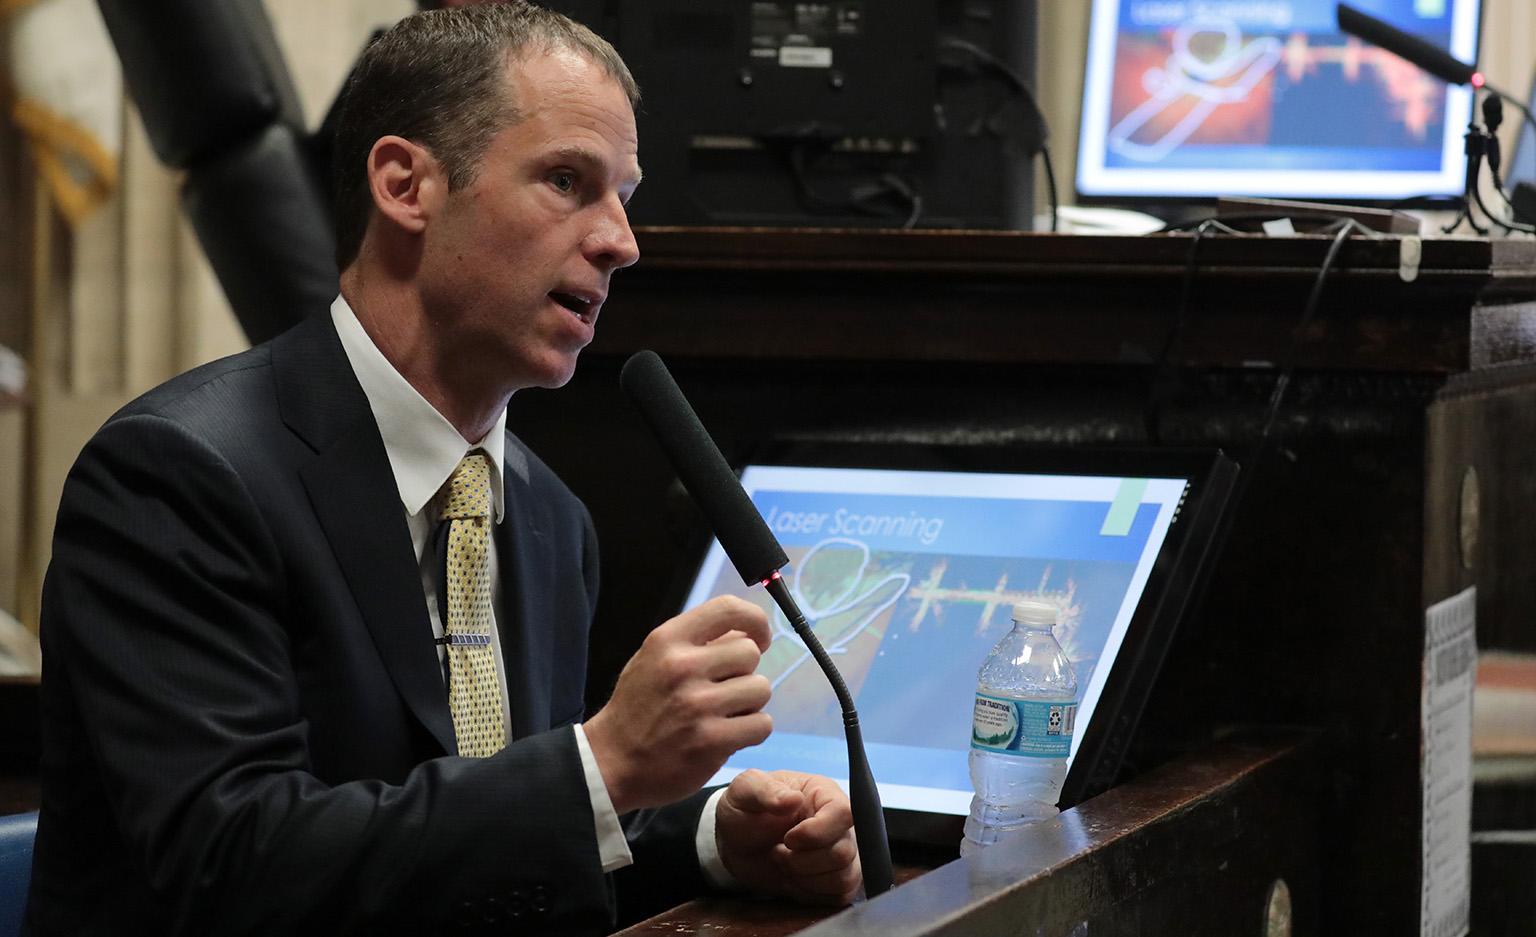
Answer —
(1122, 510)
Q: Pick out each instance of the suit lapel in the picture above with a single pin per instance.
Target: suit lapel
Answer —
(357, 503)
(525, 636)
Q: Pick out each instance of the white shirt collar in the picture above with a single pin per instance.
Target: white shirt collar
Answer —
(423, 447)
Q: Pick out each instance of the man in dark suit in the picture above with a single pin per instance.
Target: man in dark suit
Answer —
(255, 703)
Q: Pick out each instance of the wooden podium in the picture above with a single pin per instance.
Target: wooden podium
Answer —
(1276, 773)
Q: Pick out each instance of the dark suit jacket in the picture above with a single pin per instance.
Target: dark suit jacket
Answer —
(245, 724)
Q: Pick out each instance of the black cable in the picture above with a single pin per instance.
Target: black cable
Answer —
(1491, 144)
(894, 183)
(1498, 185)
(917, 211)
(1220, 222)
(1465, 215)
(1474, 147)
(1528, 120)
(1508, 226)
(1002, 68)
(1514, 224)
(1283, 382)
(1022, 88)
(1493, 118)
(863, 202)
(1162, 371)
(1050, 182)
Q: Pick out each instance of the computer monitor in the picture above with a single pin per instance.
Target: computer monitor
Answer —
(1193, 100)
(838, 114)
(907, 561)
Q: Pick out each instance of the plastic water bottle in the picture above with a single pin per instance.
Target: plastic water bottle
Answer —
(1021, 733)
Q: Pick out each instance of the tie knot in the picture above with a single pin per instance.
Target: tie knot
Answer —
(469, 489)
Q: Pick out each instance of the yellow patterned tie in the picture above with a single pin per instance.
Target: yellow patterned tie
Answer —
(474, 693)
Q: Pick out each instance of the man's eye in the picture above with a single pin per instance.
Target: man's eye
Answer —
(564, 181)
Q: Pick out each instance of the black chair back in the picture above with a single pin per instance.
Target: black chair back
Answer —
(17, 832)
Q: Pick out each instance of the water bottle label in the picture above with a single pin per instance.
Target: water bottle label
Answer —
(1035, 728)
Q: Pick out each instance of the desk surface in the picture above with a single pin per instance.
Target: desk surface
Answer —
(739, 917)
(1239, 806)
(1034, 255)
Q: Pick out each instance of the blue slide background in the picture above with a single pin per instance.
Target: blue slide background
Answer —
(915, 701)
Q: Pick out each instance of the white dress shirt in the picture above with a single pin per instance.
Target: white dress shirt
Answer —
(423, 450)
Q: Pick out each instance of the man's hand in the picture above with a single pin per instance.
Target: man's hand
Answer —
(683, 704)
(788, 833)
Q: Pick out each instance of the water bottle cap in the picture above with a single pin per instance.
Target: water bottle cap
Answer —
(1034, 612)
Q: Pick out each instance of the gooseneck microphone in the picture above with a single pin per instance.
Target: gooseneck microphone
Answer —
(753, 549)
(757, 556)
(1447, 68)
(1432, 59)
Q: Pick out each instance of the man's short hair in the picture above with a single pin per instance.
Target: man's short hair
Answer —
(436, 79)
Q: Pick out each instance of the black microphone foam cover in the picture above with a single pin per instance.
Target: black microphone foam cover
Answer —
(738, 526)
(1377, 32)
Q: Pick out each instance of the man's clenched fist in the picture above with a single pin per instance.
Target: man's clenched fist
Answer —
(788, 833)
(683, 704)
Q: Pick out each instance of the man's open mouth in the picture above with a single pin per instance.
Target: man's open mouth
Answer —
(580, 307)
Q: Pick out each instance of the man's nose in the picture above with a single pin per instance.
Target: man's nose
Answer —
(611, 243)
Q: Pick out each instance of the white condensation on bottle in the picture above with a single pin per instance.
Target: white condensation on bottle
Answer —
(1026, 706)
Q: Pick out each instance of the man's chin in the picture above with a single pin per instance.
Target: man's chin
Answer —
(547, 365)
(554, 374)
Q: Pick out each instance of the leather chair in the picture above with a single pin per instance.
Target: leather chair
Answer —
(216, 101)
(16, 834)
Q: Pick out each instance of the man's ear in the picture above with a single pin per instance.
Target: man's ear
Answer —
(406, 182)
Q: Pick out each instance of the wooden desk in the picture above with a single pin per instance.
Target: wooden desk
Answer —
(1349, 528)
(1172, 852)
(1012, 298)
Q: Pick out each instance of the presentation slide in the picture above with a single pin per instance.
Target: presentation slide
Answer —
(908, 580)
(1268, 97)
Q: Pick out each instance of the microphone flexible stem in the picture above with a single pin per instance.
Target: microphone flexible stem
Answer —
(780, 592)
(863, 795)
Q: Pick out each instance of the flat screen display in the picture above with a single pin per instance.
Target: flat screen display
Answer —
(1206, 98)
(908, 579)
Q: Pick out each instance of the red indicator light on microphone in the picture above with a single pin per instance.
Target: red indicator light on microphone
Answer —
(771, 578)
(1478, 80)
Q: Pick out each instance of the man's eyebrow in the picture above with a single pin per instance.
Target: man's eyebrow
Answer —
(588, 159)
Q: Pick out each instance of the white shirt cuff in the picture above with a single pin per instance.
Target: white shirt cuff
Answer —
(612, 847)
(708, 849)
